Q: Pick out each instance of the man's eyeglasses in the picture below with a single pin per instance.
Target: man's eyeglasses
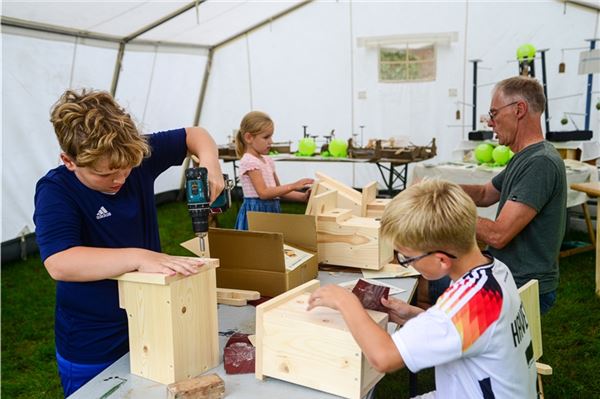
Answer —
(493, 112)
(404, 261)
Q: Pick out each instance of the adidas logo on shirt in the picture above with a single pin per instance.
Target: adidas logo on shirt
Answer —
(102, 213)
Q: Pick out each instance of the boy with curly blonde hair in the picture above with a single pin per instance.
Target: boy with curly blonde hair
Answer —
(95, 219)
(476, 335)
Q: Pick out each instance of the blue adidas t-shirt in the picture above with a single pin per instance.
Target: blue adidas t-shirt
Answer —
(89, 325)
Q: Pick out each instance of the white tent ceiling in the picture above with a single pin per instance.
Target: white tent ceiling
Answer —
(202, 23)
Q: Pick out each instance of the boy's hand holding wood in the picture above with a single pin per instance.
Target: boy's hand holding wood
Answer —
(156, 262)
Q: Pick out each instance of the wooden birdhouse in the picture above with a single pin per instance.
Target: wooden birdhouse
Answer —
(173, 327)
(312, 348)
(348, 225)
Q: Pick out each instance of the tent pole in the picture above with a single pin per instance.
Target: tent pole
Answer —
(263, 23)
(117, 70)
(139, 32)
(186, 163)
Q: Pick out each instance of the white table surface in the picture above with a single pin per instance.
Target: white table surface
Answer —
(470, 173)
(237, 386)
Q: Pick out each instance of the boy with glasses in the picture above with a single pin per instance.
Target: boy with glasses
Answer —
(476, 335)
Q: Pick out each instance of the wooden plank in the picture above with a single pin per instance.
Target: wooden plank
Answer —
(232, 301)
(337, 215)
(297, 230)
(376, 207)
(227, 296)
(322, 203)
(592, 189)
(203, 387)
(164, 279)
(193, 246)
(369, 194)
(530, 296)
(345, 191)
(229, 293)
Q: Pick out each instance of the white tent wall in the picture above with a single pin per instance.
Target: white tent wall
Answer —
(298, 79)
(313, 78)
(34, 73)
(158, 86)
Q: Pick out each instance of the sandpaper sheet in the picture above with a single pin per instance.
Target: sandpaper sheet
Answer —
(239, 355)
(370, 295)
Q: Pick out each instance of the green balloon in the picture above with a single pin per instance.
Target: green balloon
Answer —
(483, 153)
(501, 155)
(307, 146)
(510, 155)
(526, 52)
(338, 148)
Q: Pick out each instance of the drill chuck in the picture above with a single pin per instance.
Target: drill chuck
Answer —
(199, 214)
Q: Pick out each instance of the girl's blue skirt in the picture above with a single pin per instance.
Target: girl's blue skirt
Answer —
(255, 205)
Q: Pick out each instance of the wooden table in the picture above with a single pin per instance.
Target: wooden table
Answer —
(393, 172)
(593, 190)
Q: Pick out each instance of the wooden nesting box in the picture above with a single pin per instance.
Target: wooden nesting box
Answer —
(314, 349)
(348, 226)
(173, 327)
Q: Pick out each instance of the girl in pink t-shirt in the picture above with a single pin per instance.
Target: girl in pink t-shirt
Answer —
(260, 184)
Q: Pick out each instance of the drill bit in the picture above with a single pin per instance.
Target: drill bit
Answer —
(202, 243)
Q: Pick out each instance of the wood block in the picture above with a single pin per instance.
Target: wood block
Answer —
(313, 349)
(203, 387)
(369, 194)
(376, 207)
(335, 215)
(228, 296)
(320, 203)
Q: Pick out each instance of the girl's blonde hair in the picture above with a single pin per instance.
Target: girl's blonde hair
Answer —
(255, 123)
(432, 215)
(90, 125)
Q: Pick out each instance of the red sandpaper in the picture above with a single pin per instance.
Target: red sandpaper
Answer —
(370, 295)
(239, 355)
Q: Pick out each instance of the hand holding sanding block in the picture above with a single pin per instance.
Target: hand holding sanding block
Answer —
(370, 295)
(239, 355)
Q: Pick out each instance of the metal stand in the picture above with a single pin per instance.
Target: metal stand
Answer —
(396, 172)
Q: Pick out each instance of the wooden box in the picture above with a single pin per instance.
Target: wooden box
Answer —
(173, 327)
(312, 348)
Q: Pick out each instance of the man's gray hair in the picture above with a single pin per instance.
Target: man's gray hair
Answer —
(524, 88)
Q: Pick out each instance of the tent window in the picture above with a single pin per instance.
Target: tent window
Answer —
(407, 63)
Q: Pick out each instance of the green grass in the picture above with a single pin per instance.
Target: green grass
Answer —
(571, 330)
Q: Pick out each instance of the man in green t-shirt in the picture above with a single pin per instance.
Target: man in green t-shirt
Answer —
(531, 191)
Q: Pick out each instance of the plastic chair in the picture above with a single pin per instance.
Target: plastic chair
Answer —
(529, 294)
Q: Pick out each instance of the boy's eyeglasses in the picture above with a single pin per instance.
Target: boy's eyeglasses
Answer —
(494, 112)
(404, 261)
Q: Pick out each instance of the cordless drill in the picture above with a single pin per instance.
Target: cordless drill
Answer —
(198, 200)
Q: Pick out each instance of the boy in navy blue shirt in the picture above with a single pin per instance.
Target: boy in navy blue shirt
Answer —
(95, 219)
